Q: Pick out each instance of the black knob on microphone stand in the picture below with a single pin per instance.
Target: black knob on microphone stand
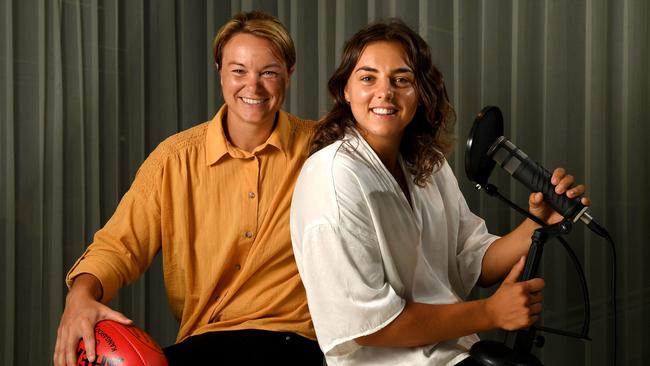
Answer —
(516, 349)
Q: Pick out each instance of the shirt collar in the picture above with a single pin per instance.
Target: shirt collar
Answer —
(218, 146)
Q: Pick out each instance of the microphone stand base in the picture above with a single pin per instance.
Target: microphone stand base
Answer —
(491, 353)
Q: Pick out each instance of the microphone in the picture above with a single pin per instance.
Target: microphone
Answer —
(536, 178)
(486, 146)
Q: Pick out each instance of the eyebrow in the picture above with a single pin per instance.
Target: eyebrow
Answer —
(395, 71)
(264, 67)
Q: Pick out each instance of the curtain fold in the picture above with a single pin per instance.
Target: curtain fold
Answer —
(90, 87)
(8, 187)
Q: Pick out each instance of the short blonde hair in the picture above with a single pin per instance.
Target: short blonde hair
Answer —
(261, 25)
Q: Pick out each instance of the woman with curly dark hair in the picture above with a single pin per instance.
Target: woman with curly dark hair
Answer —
(428, 137)
(385, 243)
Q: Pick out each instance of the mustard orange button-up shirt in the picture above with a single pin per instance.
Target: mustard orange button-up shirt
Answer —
(220, 217)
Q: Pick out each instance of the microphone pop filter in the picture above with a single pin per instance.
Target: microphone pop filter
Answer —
(487, 128)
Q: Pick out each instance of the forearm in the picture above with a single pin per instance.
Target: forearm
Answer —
(504, 252)
(123, 249)
(422, 324)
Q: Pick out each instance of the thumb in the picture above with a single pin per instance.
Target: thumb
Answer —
(117, 316)
(535, 199)
(516, 271)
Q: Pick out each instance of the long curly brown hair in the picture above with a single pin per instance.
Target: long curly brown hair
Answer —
(428, 137)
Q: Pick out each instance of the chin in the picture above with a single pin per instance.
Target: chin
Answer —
(258, 118)
(389, 131)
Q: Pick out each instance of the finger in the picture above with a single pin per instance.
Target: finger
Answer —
(533, 320)
(536, 309)
(565, 184)
(534, 285)
(536, 297)
(57, 358)
(558, 174)
(57, 346)
(60, 354)
(516, 271)
(70, 350)
(88, 335)
(576, 191)
(585, 201)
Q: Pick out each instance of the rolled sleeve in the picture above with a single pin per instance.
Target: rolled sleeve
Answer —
(346, 289)
(473, 240)
(125, 247)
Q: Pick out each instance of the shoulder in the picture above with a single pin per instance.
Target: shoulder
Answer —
(169, 149)
(301, 126)
(331, 190)
(333, 177)
(296, 134)
(445, 182)
(178, 143)
(325, 171)
(444, 174)
(338, 161)
(317, 170)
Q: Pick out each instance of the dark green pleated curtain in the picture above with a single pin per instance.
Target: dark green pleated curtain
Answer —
(89, 88)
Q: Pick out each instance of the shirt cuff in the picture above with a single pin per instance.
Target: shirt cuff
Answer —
(103, 272)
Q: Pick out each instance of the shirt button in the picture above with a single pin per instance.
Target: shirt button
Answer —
(251, 195)
(248, 234)
(237, 267)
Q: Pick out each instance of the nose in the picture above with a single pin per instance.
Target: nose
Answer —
(385, 90)
(253, 80)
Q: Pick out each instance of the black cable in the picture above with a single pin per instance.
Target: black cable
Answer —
(613, 284)
(599, 230)
(562, 332)
(494, 191)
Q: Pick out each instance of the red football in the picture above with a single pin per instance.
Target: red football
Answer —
(123, 345)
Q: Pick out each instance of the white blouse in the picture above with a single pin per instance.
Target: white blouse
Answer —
(362, 251)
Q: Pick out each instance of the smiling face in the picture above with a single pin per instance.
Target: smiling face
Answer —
(254, 81)
(381, 94)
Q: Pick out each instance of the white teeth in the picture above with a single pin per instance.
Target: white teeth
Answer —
(383, 110)
(252, 101)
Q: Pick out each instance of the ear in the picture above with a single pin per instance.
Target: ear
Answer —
(346, 94)
(219, 73)
(289, 73)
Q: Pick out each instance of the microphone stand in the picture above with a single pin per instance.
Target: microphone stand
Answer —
(493, 191)
(518, 345)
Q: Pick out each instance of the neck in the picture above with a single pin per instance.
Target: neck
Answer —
(390, 160)
(387, 150)
(247, 136)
